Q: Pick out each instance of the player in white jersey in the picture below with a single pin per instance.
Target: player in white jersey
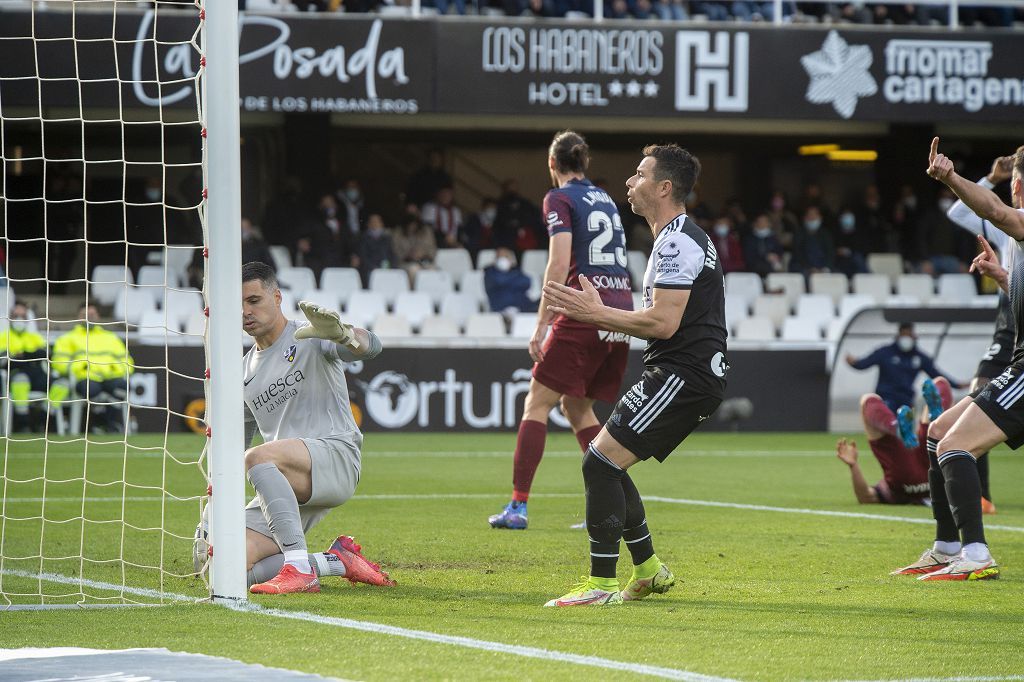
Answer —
(309, 462)
(988, 417)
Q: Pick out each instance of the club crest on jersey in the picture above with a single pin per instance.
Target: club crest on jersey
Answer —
(667, 255)
(289, 354)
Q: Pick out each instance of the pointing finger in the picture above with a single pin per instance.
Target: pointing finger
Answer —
(934, 149)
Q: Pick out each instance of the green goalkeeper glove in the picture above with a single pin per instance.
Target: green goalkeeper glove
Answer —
(326, 324)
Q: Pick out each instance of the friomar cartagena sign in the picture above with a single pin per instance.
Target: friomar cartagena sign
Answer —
(404, 67)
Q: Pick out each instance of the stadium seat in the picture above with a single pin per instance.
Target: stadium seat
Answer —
(389, 283)
(106, 282)
(414, 306)
(745, 284)
(328, 298)
(363, 308)
(485, 326)
(434, 283)
(341, 281)
(472, 284)
(282, 257)
(296, 279)
(889, 264)
(801, 329)
(534, 262)
(878, 287)
(791, 284)
(454, 262)
(180, 304)
(835, 329)
(439, 327)
(154, 277)
(523, 325)
(834, 284)
(735, 310)
(153, 328)
(774, 307)
(851, 304)
(817, 307)
(133, 302)
(290, 305)
(755, 329)
(392, 325)
(636, 262)
(485, 257)
(956, 288)
(195, 326)
(459, 306)
(177, 258)
(918, 286)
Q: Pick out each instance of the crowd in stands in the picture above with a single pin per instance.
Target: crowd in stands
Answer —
(679, 10)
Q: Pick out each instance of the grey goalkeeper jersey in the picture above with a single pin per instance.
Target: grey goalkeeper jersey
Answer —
(297, 388)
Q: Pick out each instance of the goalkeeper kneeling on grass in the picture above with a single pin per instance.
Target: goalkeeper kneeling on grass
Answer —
(295, 393)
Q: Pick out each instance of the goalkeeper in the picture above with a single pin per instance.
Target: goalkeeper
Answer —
(295, 393)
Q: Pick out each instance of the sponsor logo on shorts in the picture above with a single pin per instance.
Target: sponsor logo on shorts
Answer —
(718, 364)
(635, 397)
(616, 419)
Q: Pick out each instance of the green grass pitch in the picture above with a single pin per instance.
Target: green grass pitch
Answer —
(762, 595)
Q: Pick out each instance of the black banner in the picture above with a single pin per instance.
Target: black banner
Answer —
(439, 389)
(396, 67)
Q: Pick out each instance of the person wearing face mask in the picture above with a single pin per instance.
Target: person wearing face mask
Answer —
(506, 284)
(762, 251)
(376, 248)
(813, 248)
(872, 221)
(23, 355)
(413, 245)
(727, 243)
(98, 364)
(898, 364)
(784, 224)
(851, 245)
(327, 242)
(945, 249)
(351, 207)
(444, 216)
(477, 232)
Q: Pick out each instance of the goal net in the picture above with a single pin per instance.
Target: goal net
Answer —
(104, 387)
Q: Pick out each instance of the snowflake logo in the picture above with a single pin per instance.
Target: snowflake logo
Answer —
(839, 74)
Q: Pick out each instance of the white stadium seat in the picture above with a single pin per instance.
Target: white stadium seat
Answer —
(919, 286)
(439, 327)
(179, 305)
(363, 307)
(791, 284)
(472, 284)
(851, 304)
(106, 282)
(801, 329)
(296, 279)
(485, 257)
(773, 307)
(817, 307)
(391, 325)
(834, 284)
(835, 328)
(957, 288)
(735, 310)
(534, 262)
(282, 257)
(523, 325)
(459, 306)
(434, 283)
(389, 283)
(878, 287)
(485, 326)
(326, 297)
(888, 264)
(454, 262)
(133, 302)
(745, 284)
(755, 329)
(152, 328)
(341, 281)
(154, 276)
(414, 306)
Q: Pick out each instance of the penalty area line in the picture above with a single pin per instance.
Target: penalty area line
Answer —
(380, 628)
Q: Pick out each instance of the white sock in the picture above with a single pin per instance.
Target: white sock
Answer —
(298, 558)
(977, 551)
(328, 564)
(949, 548)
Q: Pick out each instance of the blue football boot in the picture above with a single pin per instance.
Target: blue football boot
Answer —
(905, 424)
(513, 517)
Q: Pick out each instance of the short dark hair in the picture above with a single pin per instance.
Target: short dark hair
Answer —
(256, 270)
(1018, 161)
(570, 152)
(676, 165)
(906, 327)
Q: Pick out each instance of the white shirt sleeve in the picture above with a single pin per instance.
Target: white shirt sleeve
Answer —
(678, 261)
(963, 216)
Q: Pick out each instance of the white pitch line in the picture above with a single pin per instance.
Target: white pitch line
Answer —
(994, 678)
(380, 628)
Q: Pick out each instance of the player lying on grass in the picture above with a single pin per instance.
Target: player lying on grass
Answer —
(991, 415)
(296, 394)
(683, 382)
(904, 465)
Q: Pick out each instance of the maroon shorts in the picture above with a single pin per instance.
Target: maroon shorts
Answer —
(904, 470)
(579, 364)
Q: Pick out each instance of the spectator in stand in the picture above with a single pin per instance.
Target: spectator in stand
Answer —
(784, 223)
(734, 209)
(376, 248)
(64, 221)
(254, 249)
(506, 285)
(477, 231)
(352, 208)
(414, 246)
(727, 244)
(758, 11)
(714, 10)
(327, 243)
(518, 221)
(444, 217)
(425, 183)
(946, 248)
(696, 208)
(851, 245)
(442, 6)
(98, 364)
(762, 250)
(672, 10)
(813, 196)
(147, 223)
(289, 214)
(882, 237)
(813, 249)
(905, 219)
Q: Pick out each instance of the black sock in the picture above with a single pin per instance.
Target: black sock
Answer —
(606, 508)
(983, 476)
(963, 489)
(634, 531)
(945, 524)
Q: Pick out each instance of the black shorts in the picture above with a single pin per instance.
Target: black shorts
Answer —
(658, 412)
(1001, 399)
(998, 355)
